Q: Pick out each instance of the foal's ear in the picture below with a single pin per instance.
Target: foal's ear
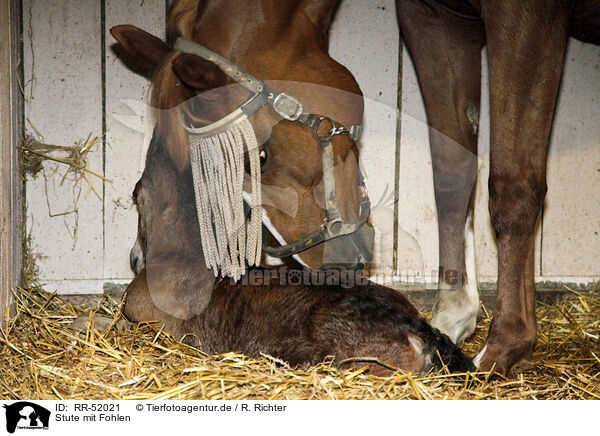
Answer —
(141, 44)
(198, 73)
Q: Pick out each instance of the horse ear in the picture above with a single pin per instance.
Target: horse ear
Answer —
(141, 44)
(198, 73)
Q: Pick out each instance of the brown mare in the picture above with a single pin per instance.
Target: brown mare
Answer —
(287, 40)
(301, 324)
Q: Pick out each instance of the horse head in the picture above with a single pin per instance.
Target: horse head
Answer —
(292, 59)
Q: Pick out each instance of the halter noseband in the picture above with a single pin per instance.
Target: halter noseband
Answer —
(289, 108)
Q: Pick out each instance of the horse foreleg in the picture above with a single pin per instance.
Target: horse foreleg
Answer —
(446, 51)
(526, 46)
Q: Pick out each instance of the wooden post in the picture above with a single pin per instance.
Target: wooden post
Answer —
(11, 108)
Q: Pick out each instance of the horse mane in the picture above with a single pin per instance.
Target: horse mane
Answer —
(181, 16)
(168, 97)
(168, 93)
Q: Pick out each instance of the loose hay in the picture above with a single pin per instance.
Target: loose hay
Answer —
(75, 157)
(77, 169)
(42, 358)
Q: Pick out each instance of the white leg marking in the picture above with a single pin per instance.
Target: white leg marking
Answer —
(455, 311)
(477, 359)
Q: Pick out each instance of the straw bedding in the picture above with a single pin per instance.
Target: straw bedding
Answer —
(42, 357)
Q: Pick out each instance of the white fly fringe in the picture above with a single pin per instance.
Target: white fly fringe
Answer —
(217, 160)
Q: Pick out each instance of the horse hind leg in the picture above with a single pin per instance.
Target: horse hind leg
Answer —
(446, 51)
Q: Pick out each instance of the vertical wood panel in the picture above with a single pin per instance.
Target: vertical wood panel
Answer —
(418, 233)
(63, 88)
(571, 240)
(10, 133)
(486, 252)
(128, 132)
(364, 38)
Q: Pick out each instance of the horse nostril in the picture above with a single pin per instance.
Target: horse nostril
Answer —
(263, 155)
(136, 258)
(133, 263)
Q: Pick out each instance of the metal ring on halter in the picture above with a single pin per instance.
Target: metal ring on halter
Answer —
(330, 132)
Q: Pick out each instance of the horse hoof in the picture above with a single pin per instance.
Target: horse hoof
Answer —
(456, 324)
(502, 361)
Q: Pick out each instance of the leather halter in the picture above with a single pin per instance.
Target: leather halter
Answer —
(289, 108)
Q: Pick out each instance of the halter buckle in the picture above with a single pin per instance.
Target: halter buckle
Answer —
(335, 227)
(287, 107)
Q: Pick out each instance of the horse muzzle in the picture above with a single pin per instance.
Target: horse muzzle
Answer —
(351, 252)
(136, 258)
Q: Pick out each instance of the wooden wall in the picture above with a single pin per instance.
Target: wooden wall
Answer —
(10, 133)
(75, 85)
(568, 235)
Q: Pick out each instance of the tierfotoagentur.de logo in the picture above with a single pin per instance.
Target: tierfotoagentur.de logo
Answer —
(26, 415)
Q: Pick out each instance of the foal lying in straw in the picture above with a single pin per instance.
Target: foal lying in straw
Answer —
(301, 324)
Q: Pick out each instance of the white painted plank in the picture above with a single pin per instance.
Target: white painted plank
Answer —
(79, 287)
(10, 136)
(571, 240)
(486, 252)
(418, 233)
(128, 131)
(62, 69)
(364, 38)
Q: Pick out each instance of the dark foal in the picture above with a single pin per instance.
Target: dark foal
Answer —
(366, 324)
(302, 325)
(526, 41)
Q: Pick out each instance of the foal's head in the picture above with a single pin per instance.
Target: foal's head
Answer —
(187, 86)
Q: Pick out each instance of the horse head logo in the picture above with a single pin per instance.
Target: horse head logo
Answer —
(24, 414)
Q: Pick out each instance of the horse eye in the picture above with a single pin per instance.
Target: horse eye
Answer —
(263, 155)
